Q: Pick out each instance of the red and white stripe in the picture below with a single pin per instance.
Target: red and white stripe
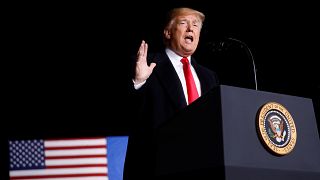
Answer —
(66, 159)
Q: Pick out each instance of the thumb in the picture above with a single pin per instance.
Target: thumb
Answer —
(152, 65)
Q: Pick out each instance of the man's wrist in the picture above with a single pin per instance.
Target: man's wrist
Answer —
(137, 85)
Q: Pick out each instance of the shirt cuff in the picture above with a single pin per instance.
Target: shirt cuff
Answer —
(138, 86)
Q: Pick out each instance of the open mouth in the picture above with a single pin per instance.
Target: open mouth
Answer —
(189, 38)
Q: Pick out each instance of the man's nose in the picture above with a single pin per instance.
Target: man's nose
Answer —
(190, 27)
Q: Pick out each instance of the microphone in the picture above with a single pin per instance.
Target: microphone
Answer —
(248, 51)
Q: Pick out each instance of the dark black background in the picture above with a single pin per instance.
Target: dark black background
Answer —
(66, 64)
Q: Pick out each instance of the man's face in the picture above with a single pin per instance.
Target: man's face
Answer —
(184, 34)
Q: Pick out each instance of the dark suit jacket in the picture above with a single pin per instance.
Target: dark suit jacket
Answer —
(157, 103)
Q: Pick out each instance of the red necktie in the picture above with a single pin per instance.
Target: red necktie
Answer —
(191, 85)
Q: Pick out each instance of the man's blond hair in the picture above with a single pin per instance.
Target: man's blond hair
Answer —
(182, 11)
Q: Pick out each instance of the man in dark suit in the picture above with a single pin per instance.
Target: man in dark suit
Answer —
(160, 89)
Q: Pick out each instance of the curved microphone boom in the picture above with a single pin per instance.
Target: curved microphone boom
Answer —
(248, 51)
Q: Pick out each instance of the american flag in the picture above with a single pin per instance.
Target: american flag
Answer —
(67, 159)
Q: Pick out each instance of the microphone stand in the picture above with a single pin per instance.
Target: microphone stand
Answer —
(248, 51)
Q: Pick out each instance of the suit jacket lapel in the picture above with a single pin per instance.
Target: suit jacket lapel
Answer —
(201, 75)
(166, 71)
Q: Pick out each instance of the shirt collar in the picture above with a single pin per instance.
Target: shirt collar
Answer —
(175, 58)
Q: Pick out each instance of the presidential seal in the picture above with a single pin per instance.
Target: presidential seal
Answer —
(276, 128)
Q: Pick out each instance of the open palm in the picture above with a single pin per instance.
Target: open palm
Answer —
(143, 70)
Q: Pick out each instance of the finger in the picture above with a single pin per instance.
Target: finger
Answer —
(140, 51)
(145, 52)
(142, 47)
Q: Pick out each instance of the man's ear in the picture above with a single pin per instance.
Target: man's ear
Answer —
(167, 34)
